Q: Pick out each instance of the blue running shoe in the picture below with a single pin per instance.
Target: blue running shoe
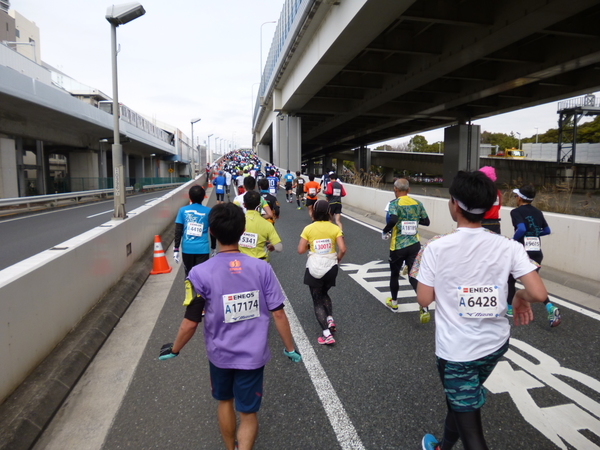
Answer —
(553, 315)
(430, 443)
(509, 311)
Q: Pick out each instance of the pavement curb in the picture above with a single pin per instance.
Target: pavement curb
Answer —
(27, 411)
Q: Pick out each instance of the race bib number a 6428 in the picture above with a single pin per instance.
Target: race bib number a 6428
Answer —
(241, 306)
(478, 302)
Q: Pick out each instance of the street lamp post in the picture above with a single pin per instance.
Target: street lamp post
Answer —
(151, 168)
(261, 66)
(208, 151)
(193, 121)
(536, 134)
(119, 15)
(519, 147)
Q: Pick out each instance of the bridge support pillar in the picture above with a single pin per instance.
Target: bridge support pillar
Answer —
(327, 164)
(264, 152)
(8, 169)
(362, 159)
(461, 150)
(83, 171)
(287, 142)
(310, 168)
(388, 175)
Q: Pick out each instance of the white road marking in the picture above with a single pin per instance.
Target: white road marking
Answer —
(342, 425)
(99, 214)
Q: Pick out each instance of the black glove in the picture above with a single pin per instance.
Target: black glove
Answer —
(166, 352)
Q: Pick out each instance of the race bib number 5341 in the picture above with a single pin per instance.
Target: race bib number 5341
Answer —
(478, 302)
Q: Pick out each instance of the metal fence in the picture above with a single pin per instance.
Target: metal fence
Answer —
(78, 184)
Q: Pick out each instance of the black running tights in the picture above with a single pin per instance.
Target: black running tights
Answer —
(466, 426)
(322, 303)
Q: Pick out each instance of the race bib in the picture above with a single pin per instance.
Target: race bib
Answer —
(312, 191)
(241, 306)
(195, 229)
(532, 244)
(337, 192)
(300, 181)
(322, 246)
(478, 302)
(219, 187)
(248, 240)
(409, 228)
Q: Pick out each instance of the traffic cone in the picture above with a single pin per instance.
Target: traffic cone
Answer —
(160, 260)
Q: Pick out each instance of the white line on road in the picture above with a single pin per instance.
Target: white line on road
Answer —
(342, 425)
(99, 214)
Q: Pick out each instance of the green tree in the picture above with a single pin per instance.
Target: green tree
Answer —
(418, 144)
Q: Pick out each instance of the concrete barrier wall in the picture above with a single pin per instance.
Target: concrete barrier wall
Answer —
(573, 247)
(44, 297)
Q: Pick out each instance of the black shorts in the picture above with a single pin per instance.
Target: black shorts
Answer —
(220, 196)
(335, 208)
(311, 201)
(325, 282)
(406, 255)
(288, 186)
(193, 259)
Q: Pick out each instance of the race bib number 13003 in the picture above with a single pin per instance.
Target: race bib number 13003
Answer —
(241, 306)
(478, 302)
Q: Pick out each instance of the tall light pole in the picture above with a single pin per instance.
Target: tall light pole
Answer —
(261, 66)
(208, 151)
(151, 168)
(193, 121)
(536, 134)
(119, 15)
(519, 147)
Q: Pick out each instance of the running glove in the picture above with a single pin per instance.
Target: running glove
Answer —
(166, 352)
(294, 355)
(385, 236)
(176, 256)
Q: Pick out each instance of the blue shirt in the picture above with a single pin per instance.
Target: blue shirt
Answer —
(288, 177)
(195, 238)
(219, 183)
(273, 183)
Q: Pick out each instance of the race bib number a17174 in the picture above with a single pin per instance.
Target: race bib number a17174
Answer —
(478, 302)
(241, 306)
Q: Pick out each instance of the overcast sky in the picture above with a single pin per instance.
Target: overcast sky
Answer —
(186, 59)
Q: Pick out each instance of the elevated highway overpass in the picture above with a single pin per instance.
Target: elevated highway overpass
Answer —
(344, 74)
(37, 115)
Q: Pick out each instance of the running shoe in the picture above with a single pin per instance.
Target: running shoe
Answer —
(430, 443)
(331, 325)
(424, 315)
(388, 303)
(326, 340)
(553, 315)
(299, 207)
(509, 312)
(404, 270)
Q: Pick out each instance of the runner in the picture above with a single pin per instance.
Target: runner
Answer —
(250, 185)
(259, 237)
(465, 273)
(405, 214)
(491, 219)
(325, 244)
(311, 189)
(288, 178)
(228, 179)
(530, 224)
(273, 183)
(334, 192)
(299, 186)
(325, 178)
(236, 347)
(219, 184)
(263, 186)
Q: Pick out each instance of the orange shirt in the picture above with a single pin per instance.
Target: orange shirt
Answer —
(312, 187)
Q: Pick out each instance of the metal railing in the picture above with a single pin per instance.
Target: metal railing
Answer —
(55, 198)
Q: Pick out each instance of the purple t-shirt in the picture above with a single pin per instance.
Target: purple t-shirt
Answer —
(239, 291)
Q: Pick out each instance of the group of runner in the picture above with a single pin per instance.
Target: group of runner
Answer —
(469, 273)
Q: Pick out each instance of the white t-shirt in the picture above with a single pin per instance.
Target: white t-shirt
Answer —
(228, 178)
(468, 270)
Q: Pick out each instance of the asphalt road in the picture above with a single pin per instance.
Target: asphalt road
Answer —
(25, 235)
(376, 388)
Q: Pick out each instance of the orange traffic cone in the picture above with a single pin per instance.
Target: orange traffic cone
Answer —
(160, 260)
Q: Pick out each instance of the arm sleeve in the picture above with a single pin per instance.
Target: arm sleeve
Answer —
(213, 242)
(519, 232)
(545, 231)
(391, 223)
(424, 221)
(178, 234)
(343, 191)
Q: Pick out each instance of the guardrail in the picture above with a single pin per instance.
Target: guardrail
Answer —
(77, 196)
